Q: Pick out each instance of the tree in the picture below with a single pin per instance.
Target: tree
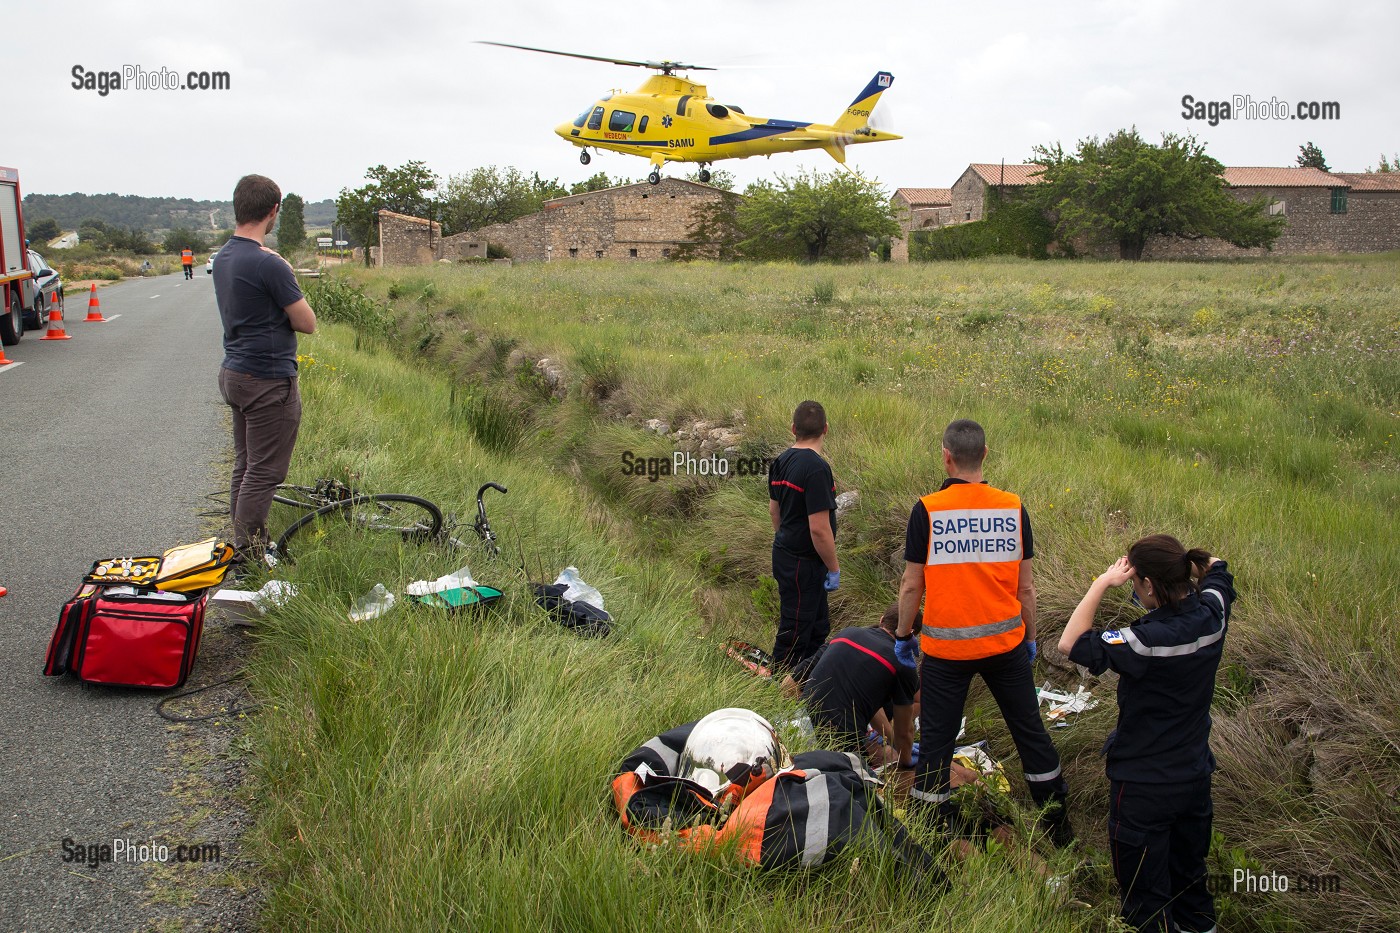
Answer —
(1387, 165)
(1310, 156)
(492, 195)
(403, 190)
(595, 182)
(813, 217)
(714, 231)
(719, 178)
(43, 229)
(1123, 190)
(182, 238)
(291, 224)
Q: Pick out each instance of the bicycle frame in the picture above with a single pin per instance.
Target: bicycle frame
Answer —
(482, 526)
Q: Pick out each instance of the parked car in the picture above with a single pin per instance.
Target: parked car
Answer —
(48, 290)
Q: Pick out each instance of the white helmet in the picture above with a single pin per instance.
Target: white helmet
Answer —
(731, 751)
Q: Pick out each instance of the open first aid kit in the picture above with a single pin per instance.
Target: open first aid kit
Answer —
(137, 622)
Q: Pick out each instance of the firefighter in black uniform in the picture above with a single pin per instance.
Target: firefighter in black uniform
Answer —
(802, 505)
(1159, 760)
(854, 680)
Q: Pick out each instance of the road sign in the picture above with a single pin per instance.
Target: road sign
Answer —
(323, 241)
(342, 242)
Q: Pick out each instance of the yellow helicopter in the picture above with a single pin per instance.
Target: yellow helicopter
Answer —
(673, 119)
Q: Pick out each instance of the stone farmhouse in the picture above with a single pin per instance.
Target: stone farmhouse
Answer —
(919, 209)
(1326, 212)
(640, 221)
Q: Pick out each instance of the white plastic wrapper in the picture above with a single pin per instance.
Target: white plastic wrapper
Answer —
(578, 591)
(461, 578)
(1064, 705)
(372, 605)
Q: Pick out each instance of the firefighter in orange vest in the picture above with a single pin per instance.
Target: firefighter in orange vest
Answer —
(967, 555)
(187, 260)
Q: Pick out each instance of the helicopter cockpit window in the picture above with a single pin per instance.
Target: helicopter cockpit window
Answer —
(621, 121)
(595, 119)
(581, 118)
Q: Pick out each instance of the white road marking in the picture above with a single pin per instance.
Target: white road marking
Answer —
(155, 296)
(105, 320)
(13, 364)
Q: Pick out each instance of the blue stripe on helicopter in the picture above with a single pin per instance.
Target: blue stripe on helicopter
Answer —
(762, 131)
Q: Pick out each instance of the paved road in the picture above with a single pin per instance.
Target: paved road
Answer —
(108, 443)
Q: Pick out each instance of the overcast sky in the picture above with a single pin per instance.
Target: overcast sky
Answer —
(321, 91)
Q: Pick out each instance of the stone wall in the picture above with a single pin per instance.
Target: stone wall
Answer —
(920, 218)
(1370, 224)
(641, 222)
(969, 198)
(459, 246)
(407, 241)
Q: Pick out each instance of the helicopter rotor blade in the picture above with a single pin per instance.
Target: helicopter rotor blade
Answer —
(666, 66)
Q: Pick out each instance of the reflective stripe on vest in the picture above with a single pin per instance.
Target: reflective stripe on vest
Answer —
(187, 257)
(971, 572)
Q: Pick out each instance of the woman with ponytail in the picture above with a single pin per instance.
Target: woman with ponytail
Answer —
(1158, 759)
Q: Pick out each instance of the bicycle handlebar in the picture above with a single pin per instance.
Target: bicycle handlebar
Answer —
(485, 486)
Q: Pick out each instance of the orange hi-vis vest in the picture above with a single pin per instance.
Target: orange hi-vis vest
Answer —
(186, 257)
(971, 573)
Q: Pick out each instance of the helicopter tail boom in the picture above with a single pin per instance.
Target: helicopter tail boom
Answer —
(857, 115)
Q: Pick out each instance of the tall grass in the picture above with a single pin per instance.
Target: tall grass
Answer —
(425, 770)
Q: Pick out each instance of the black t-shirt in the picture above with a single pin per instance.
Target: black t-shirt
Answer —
(1166, 662)
(800, 481)
(252, 287)
(916, 534)
(853, 676)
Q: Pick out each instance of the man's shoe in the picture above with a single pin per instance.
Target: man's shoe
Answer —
(1058, 830)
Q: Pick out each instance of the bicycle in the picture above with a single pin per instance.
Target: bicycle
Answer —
(410, 517)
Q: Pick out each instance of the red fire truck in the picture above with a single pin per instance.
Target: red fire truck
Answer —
(16, 279)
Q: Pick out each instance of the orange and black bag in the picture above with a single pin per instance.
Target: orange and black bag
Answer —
(803, 816)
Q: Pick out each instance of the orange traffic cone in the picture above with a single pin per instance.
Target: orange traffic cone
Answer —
(3, 361)
(56, 324)
(95, 307)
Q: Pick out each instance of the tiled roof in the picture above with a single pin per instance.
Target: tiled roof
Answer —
(1015, 174)
(926, 197)
(1370, 181)
(1268, 177)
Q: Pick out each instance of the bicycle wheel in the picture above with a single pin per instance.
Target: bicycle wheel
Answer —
(410, 517)
(302, 497)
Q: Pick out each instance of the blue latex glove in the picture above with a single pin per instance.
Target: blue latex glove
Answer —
(833, 580)
(914, 754)
(1032, 649)
(906, 651)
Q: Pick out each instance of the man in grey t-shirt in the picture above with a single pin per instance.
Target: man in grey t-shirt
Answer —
(262, 310)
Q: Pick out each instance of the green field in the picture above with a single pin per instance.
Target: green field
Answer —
(428, 771)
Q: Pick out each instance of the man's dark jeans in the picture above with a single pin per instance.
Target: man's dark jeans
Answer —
(266, 416)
